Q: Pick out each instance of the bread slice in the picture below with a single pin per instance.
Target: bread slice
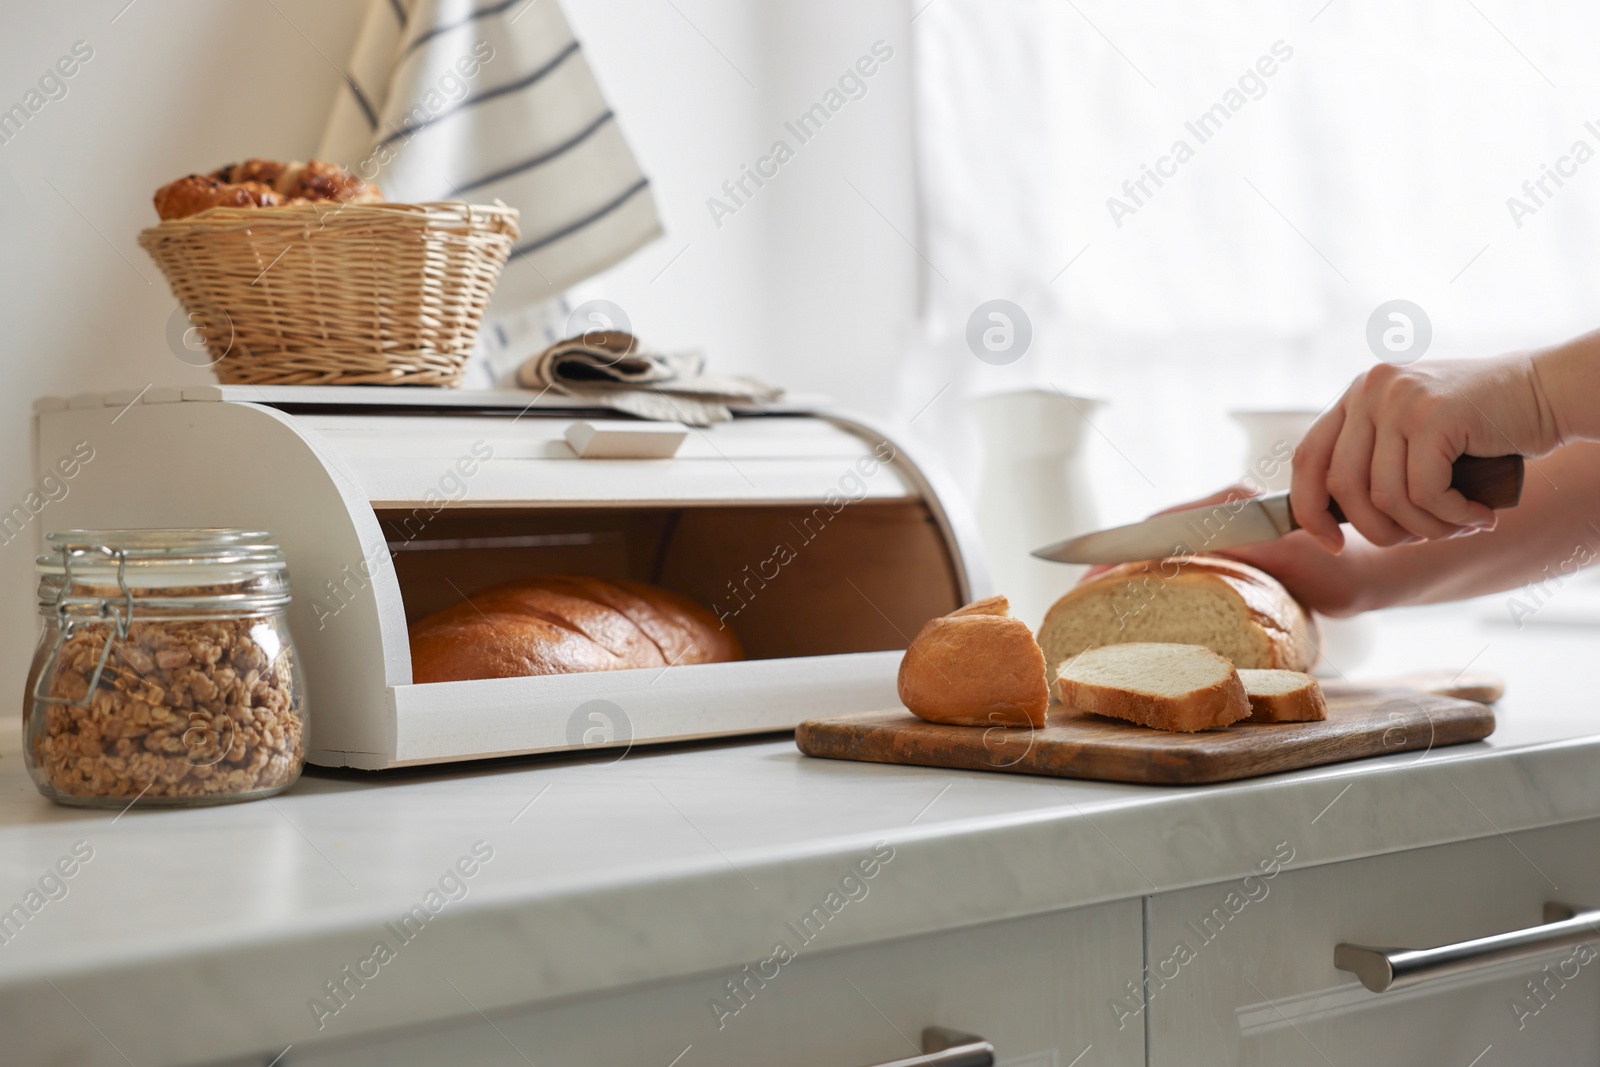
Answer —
(1167, 686)
(1229, 607)
(1283, 696)
(976, 666)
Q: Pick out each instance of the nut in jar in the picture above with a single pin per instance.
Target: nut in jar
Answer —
(165, 673)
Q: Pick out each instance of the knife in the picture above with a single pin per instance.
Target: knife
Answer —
(1493, 481)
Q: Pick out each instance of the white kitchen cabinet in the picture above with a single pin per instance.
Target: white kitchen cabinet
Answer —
(1249, 978)
(1037, 988)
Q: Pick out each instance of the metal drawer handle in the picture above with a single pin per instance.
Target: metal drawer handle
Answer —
(1381, 969)
(948, 1048)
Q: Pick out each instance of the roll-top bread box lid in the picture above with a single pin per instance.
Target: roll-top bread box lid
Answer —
(811, 535)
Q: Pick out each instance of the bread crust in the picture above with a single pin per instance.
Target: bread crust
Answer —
(501, 645)
(977, 666)
(681, 630)
(562, 624)
(1202, 708)
(1282, 629)
(606, 627)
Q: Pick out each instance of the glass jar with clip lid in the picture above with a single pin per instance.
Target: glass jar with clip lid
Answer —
(165, 673)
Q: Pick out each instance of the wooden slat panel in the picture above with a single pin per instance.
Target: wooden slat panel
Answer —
(495, 462)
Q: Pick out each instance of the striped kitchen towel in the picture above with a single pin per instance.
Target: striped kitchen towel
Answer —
(492, 99)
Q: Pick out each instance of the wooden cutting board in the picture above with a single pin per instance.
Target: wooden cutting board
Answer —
(1369, 719)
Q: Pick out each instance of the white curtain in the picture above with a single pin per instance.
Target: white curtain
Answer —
(1361, 152)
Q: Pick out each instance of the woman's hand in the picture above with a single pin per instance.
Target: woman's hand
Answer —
(1384, 451)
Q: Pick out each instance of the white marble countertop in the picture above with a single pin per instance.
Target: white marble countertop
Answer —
(201, 934)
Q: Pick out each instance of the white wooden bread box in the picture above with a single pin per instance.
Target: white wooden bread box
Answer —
(811, 534)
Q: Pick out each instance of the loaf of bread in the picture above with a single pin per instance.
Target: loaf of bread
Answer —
(1166, 686)
(1229, 607)
(976, 666)
(560, 624)
(1283, 696)
(262, 183)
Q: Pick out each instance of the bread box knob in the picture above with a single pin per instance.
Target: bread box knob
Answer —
(626, 440)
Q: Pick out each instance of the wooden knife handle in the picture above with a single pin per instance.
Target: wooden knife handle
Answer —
(1494, 481)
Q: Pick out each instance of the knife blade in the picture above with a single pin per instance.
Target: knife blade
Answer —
(1494, 481)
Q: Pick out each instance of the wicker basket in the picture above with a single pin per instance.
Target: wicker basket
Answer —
(326, 293)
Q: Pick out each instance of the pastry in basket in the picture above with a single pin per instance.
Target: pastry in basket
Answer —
(199, 192)
(562, 624)
(317, 180)
(265, 171)
(262, 183)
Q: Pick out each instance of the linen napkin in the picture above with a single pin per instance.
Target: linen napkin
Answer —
(474, 100)
(609, 368)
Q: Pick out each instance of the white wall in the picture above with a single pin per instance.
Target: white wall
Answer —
(806, 284)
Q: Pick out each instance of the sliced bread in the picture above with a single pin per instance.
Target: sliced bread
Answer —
(1283, 696)
(976, 666)
(1166, 686)
(1229, 607)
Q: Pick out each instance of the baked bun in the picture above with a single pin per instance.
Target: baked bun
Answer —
(201, 192)
(265, 171)
(976, 666)
(317, 180)
(262, 183)
(1229, 607)
(562, 624)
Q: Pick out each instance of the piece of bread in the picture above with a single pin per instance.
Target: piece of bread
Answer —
(1283, 696)
(561, 624)
(1166, 686)
(1229, 607)
(976, 666)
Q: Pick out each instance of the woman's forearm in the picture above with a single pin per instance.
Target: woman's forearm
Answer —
(1553, 533)
(1567, 381)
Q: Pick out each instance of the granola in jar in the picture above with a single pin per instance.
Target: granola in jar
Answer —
(165, 674)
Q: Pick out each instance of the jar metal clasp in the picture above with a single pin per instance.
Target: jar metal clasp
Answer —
(67, 623)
